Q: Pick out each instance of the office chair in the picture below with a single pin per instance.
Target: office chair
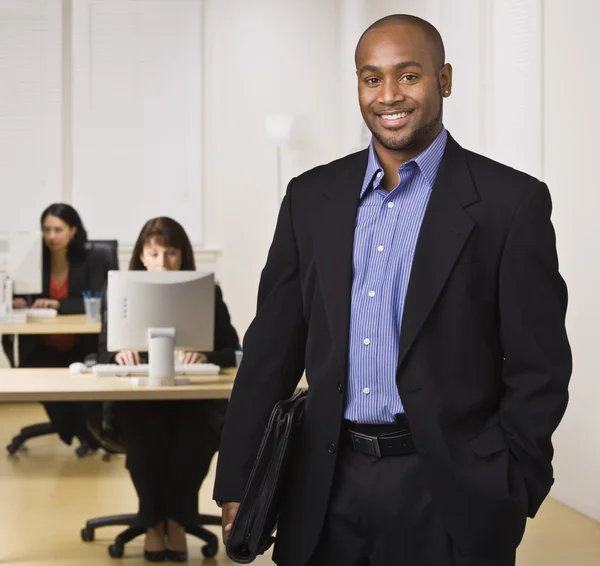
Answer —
(99, 417)
(108, 250)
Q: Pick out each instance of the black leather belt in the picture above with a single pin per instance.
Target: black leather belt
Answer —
(393, 443)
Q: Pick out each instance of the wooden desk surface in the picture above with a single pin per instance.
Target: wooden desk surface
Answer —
(58, 384)
(62, 324)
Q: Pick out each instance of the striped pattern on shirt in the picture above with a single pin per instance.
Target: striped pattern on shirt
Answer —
(385, 237)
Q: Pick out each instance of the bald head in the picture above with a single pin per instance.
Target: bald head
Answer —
(434, 38)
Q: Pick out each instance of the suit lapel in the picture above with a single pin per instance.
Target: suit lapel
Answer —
(334, 243)
(445, 229)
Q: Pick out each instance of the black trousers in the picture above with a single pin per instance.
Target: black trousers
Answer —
(67, 417)
(170, 445)
(380, 514)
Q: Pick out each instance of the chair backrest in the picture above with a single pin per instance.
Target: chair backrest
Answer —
(100, 420)
(108, 249)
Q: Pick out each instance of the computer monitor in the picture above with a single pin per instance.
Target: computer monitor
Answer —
(20, 271)
(159, 312)
(21, 260)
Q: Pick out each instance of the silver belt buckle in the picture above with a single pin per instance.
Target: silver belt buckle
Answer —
(361, 441)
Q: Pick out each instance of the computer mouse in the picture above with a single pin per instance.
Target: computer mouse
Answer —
(77, 367)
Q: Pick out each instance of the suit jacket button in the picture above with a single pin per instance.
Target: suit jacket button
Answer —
(340, 387)
(332, 448)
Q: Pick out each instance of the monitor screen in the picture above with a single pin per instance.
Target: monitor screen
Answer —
(21, 258)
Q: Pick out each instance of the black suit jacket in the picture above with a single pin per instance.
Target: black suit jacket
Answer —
(484, 360)
(88, 273)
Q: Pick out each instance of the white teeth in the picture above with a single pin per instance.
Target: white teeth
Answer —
(395, 116)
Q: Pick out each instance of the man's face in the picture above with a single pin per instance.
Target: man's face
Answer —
(400, 87)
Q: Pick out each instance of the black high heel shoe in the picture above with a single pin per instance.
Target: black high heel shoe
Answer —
(177, 555)
(155, 555)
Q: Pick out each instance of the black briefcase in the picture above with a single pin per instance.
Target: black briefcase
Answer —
(257, 516)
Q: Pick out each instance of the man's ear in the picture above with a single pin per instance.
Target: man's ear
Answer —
(446, 80)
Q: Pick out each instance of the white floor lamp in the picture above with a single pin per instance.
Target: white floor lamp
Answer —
(279, 129)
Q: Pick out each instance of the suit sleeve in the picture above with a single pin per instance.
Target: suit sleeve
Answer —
(226, 338)
(537, 365)
(273, 359)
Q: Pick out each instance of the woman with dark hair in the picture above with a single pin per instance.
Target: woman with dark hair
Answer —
(68, 270)
(170, 444)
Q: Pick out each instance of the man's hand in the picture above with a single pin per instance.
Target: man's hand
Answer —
(229, 512)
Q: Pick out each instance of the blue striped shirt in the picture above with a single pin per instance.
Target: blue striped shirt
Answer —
(387, 228)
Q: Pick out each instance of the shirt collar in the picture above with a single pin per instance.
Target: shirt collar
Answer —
(428, 162)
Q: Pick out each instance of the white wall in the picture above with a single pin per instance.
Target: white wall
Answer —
(30, 110)
(263, 57)
(571, 126)
(137, 106)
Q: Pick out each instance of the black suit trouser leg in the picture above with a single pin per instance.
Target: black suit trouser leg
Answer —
(380, 513)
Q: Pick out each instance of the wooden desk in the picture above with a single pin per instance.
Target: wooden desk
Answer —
(58, 384)
(62, 324)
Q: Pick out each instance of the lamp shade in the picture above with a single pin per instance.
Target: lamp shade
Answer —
(279, 127)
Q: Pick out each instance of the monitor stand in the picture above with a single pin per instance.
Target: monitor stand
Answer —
(161, 356)
(161, 360)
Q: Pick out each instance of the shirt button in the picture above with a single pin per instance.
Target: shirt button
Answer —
(332, 448)
(366, 341)
(378, 175)
(340, 387)
(366, 391)
(371, 293)
(379, 248)
(390, 205)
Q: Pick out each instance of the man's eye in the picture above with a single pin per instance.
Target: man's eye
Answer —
(409, 78)
(372, 80)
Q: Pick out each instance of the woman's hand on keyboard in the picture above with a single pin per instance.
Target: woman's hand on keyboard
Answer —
(127, 358)
(193, 358)
(19, 303)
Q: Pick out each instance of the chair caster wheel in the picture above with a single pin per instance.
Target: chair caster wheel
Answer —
(210, 550)
(87, 534)
(83, 450)
(106, 457)
(12, 449)
(116, 550)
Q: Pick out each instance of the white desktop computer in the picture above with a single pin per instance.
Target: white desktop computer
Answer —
(160, 312)
(20, 270)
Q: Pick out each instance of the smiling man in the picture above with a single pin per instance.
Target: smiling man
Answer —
(417, 284)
